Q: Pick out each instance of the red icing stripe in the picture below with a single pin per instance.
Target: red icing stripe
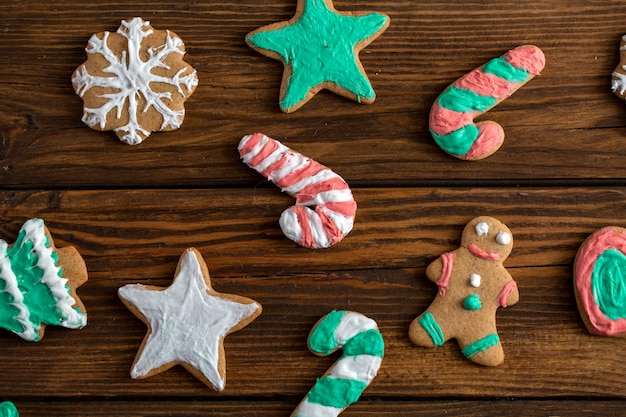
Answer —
(251, 143)
(506, 291)
(443, 121)
(345, 208)
(306, 237)
(485, 84)
(269, 147)
(490, 138)
(447, 259)
(330, 228)
(267, 172)
(479, 253)
(528, 57)
(311, 168)
(312, 190)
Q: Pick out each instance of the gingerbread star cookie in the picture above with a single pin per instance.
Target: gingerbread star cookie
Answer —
(473, 284)
(319, 47)
(39, 282)
(134, 81)
(187, 322)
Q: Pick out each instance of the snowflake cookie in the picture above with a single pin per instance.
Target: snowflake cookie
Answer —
(134, 81)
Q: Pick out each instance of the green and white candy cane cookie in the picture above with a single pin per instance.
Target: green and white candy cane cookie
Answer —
(363, 351)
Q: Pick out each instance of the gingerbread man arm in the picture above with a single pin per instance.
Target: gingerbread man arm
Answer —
(439, 271)
(509, 295)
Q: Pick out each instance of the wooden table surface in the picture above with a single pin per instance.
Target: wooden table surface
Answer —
(131, 211)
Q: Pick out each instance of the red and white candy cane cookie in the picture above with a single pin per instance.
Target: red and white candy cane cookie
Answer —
(311, 184)
(452, 115)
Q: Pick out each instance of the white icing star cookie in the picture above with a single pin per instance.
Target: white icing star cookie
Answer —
(187, 322)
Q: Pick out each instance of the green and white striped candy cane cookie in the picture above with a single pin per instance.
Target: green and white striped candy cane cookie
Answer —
(363, 350)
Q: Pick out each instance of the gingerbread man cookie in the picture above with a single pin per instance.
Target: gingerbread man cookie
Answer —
(473, 284)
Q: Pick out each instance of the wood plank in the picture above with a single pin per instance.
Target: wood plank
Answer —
(45, 143)
(131, 236)
(365, 407)
(403, 227)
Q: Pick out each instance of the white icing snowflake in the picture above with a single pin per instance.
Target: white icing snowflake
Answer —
(143, 87)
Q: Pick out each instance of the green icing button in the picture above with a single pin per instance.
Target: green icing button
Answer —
(472, 302)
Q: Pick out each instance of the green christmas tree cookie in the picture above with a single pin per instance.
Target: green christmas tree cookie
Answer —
(38, 283)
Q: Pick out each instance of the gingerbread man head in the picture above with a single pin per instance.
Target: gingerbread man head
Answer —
(487, 238)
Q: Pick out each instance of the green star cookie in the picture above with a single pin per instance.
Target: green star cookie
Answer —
(319, 47)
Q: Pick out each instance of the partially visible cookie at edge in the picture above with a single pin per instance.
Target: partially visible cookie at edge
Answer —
(600, 279)
(40, 282)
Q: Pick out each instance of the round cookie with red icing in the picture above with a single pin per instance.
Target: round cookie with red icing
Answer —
(600, 281)
(473, 284)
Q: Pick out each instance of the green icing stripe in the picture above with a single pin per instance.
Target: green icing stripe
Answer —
(429, 324)
(608, 283)
(366, 343)
(501, 68)
(322, 338)
(462, 100)
(459, 141)
(333, 392)
(480, 345)
(37, 296)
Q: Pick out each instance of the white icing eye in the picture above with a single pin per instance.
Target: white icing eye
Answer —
(482, 228)
(474, 280)
(503, 238)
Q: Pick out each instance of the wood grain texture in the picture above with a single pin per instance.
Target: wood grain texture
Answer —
(131, 211)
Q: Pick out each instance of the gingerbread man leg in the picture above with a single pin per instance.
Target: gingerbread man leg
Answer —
(485, 350)
(427, 331)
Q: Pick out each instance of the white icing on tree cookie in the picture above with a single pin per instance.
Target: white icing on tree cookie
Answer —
(135, 82)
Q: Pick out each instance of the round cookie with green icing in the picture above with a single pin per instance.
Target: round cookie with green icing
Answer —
(600, 281)
(473, 284)
(319, 47)
(38, 283)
